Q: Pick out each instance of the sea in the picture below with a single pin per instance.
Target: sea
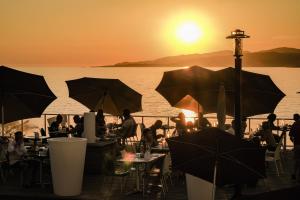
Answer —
(145, 79)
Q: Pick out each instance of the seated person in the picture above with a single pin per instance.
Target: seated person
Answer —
(231, 130)
(266, 135)
(55, 128)
(16, 150)
(16, 153)
(78, 129)
(128, 123)
(271, 119)
(201, 122)
(189, 126)
(157, 125)
(180, 123)
(146, 141)
(100, 124)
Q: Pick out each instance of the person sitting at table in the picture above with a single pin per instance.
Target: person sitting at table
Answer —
(266, 135)
(295, 138)
(16, 154)
(16, 150)
(180, 123)
(78, 129)
(100, 124)
(201, 122)
(127, 126)
(157, 125)
(231, 129)
(271, 119)
(56, 125)
(55, 129)
(146, 141)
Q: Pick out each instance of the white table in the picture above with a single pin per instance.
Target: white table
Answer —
(137, 162)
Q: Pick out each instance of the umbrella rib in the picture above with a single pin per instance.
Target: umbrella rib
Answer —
(33, 93)
(231, 158)
(203, 147)
(196, 158)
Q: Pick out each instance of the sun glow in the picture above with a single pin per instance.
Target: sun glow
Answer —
(189, 32)
(189, 115)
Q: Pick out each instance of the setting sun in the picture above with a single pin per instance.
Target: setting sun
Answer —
(189, 32)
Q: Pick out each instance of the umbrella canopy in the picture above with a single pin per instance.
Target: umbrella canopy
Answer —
(235, 160)
(111, 95)
(176, 84)
(259, 93)
(22, 95)
(189, 103)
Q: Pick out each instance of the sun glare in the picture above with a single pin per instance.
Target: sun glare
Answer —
(189, 32)
(189, 115)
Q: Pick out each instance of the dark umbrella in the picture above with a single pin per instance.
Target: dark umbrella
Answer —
(218, 157)
(22, 95)
(111, 95)
(259, 93)
(176, 84)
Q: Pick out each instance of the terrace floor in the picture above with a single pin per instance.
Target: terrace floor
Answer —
(96, 187)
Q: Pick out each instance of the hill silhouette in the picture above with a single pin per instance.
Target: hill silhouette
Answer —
(278, 57)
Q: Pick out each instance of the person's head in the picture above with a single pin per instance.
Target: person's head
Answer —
(19, 137)
(147, 135)
(296, 117)
(100, 112)
(181, 116)
(59, 119)
(233, 123)
(126, 113)
(158, 124)
(76, 119)
(271, 117)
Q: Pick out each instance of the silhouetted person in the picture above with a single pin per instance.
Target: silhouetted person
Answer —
(180, 123)
(127, 125)
(54, 127)
(271, 119)
(295, 138)
(153, 129)
(266, 135)
(100, 124)
(78, 129)
(201, 123)
(16, 154)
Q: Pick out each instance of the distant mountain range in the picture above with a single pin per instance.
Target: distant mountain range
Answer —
(279, 57)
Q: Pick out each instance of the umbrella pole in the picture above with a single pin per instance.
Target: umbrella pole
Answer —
(198, 117)
(2, 117)
(215, 178)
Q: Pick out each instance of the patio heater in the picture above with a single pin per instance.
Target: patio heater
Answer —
(238, 35)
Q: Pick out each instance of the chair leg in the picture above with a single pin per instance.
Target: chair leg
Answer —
(281, 166)
(276, 167)
(2, 174)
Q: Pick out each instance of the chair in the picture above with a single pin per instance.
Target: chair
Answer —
(274, 156)
(156, 174)
(113, 170)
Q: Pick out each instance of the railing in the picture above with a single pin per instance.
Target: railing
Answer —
(252, 123)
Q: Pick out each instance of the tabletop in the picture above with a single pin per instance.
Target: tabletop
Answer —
(136, 159)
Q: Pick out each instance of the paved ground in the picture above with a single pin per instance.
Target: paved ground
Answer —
(98, 187)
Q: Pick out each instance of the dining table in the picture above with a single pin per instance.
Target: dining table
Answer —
(39, 154)
(140, 164)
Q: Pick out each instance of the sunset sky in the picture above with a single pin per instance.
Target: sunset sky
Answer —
(101, 32)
